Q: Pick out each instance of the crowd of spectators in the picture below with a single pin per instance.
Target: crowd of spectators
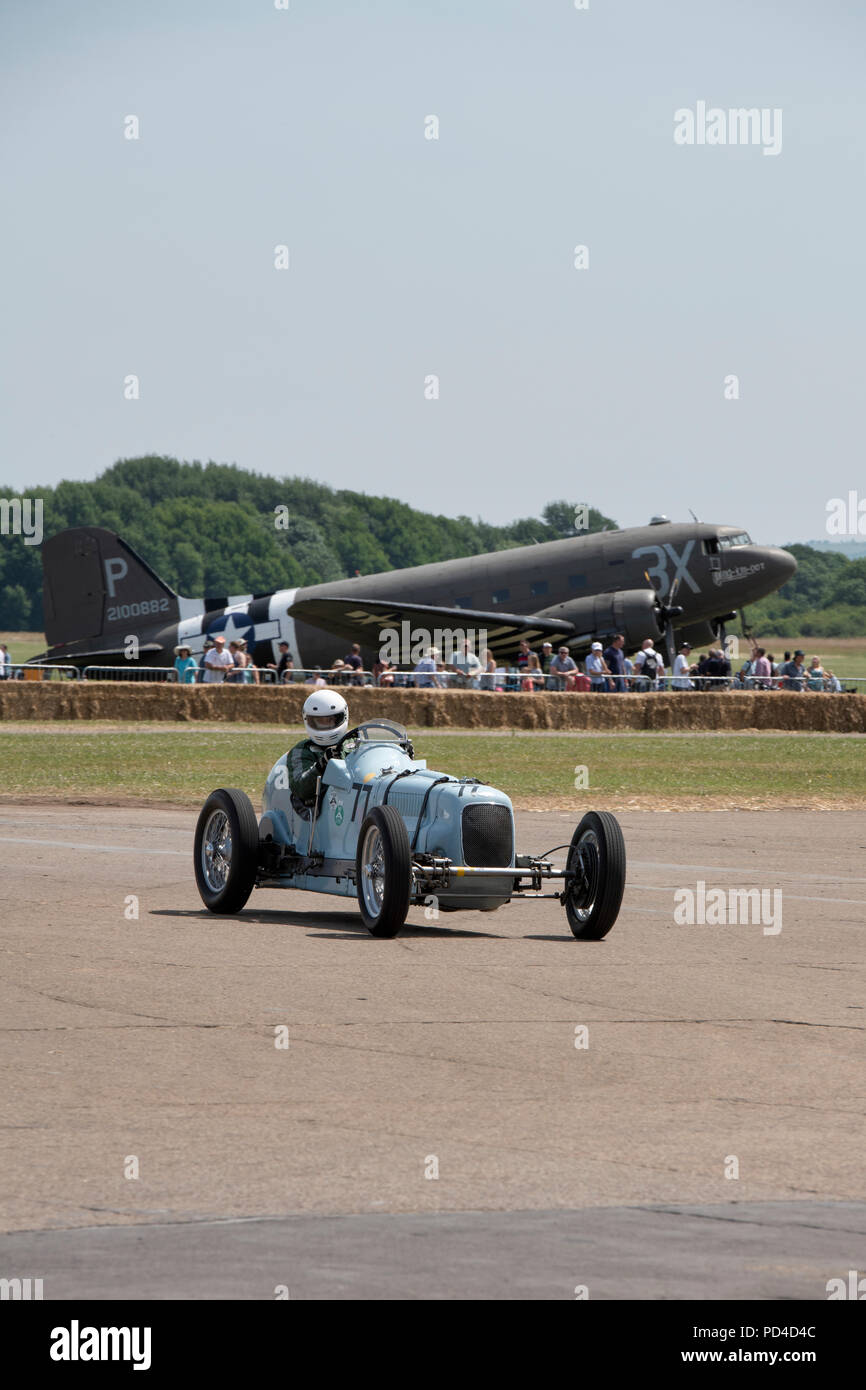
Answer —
(760, 671)
(604, 670)
(218, 664)
(610, 670)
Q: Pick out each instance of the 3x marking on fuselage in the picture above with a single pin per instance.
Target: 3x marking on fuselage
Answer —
(659, 571)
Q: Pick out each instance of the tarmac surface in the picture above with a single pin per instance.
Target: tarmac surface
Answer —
(483, 1107)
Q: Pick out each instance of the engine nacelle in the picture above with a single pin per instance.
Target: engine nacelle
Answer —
(633, 612)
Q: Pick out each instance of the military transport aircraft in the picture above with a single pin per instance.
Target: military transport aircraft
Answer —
(665, 580)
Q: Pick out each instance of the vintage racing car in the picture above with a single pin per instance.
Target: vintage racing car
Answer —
(389, 831)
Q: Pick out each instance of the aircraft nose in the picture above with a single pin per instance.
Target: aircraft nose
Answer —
(780, 566)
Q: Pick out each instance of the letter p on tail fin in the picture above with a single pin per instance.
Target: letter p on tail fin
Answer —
(96, 589)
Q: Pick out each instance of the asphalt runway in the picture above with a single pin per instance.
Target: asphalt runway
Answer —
(432, 1130)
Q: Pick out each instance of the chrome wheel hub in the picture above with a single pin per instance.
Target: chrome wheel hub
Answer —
(372, 884)
(216, 851)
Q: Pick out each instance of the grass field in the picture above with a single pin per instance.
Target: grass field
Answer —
(181, 765)
(844, 656)
(23, 645)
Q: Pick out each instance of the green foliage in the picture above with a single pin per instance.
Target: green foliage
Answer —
(837, 620)
(305, 556)
(211, 529)
(825, 598)
(15, 608)
(559, 518)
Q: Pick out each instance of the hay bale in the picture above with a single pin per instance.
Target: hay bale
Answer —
(438, 709)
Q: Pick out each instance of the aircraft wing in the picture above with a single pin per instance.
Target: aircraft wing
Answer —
(363, 619)
(75, 653)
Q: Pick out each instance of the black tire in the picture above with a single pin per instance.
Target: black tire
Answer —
(383, 835)
(242, 842)
(593, 899)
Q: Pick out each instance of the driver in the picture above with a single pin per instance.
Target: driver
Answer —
(326, 720)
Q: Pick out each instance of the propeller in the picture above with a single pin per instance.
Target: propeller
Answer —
(668, 611)
(666, 614)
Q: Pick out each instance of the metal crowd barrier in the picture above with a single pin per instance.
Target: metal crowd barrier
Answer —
(129, 673)
(507, 680)
(170, 674)
(40, 670)
(748, 684)
(511, 681)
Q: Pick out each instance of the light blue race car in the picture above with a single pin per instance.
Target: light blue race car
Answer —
(389, 831)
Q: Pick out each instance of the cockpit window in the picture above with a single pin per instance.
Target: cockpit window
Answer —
(740, 538)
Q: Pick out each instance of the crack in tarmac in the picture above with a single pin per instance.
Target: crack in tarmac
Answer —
(743, 1221)
(160, 1022)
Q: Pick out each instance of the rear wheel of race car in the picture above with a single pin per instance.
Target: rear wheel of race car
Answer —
(226, 850)
(383, 871)
(594, 894)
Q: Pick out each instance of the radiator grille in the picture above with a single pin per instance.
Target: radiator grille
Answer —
(488, 837)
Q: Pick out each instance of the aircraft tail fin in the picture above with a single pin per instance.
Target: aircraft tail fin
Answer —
(96, 590)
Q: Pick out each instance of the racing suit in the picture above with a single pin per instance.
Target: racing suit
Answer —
(306, 762)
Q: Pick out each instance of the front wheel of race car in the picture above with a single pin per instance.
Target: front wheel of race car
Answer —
(226, 850)
(383, 871)
(593, 895)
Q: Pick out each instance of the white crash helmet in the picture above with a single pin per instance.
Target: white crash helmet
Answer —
(326, 717)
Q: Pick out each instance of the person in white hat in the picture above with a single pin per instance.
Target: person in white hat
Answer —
(218, 662)
(185, 664)
(546, 658)
(426, 668)
(682, 668)
(597, 668)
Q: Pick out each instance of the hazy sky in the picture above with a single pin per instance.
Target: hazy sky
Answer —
(454, 257)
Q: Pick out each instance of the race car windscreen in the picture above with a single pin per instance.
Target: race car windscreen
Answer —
(383, 729)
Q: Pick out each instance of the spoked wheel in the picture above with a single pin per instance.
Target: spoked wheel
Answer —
(226, 850)
(383, 871)
(593, 896)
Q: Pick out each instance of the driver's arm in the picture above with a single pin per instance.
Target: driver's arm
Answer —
(305, 768)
